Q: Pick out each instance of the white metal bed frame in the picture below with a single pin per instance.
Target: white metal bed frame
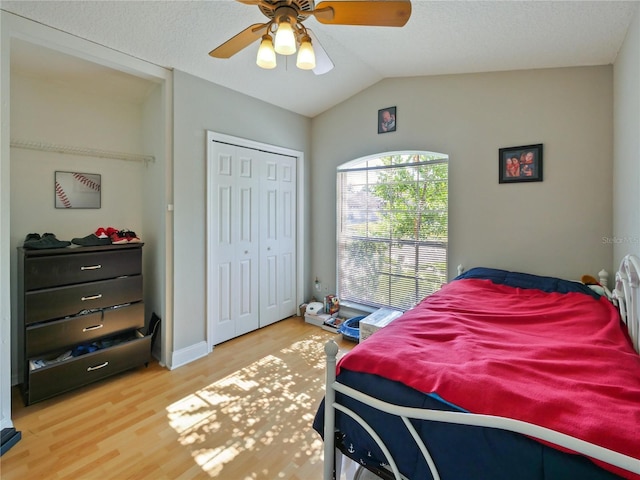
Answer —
(624, 294)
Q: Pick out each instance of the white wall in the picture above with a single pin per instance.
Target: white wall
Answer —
(200, 106)
(626, 179)
(554, 227)
(47, 112)
(5, 216)
(157, 219)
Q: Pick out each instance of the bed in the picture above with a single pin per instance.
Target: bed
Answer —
(499, 375)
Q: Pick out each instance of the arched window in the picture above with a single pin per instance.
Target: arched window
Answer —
(392, 228)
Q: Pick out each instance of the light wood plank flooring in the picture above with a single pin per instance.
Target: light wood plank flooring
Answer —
(243, 412)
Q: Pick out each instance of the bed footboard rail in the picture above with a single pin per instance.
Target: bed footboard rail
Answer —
(626, 294)
(408, 413)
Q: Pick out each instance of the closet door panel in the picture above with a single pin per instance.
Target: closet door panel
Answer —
(287, 238)
(246, 315)
(269, 311)
(277, 238)
(246, 223)
(224, 327)
(233, 225)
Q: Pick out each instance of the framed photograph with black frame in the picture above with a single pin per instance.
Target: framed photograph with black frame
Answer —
(387, 120)
(520, 164)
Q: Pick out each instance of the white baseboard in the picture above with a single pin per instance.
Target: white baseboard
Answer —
(187, 355)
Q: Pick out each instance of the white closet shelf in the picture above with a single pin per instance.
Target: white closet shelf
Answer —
(88, 152)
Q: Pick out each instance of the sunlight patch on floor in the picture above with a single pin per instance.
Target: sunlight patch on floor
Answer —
(266, 403)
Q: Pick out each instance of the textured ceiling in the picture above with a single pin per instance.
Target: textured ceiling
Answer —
(441, 37)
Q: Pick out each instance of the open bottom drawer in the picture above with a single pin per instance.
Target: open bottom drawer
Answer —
(50, 380)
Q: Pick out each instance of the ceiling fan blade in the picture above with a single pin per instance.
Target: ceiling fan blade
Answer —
(323, 62)
(383, 13)
(240, 41)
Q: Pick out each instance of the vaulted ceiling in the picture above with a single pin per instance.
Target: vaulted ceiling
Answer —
(441, 37)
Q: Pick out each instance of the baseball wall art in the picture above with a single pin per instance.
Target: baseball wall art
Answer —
(77, 190)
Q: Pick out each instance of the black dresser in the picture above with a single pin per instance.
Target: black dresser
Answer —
(81, 316)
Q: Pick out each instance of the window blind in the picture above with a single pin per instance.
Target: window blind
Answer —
(392, 229)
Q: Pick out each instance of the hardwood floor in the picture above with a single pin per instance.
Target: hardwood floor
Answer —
(243, 412)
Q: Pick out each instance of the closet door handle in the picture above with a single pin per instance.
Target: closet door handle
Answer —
(97, 367)
(91, 297)
(93, 327)
(91, 267)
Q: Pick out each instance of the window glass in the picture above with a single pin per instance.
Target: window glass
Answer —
(392, 228)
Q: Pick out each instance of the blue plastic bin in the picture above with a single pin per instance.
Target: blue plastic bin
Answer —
(350, 329)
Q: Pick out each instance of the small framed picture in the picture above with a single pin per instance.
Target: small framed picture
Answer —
(387, 120)
(77, 190)
(520, 164)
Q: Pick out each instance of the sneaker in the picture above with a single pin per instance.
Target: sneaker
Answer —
(48, 240)
(118, 238)
(130, 236)
(91, 240)
(105, 232)
(31, 237)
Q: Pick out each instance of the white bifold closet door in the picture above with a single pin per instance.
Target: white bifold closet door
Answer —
(252, 229)
(277, 237)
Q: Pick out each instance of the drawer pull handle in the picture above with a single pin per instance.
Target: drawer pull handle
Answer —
(97, 367)
(93, 327)
(91, 297)
(91, 267)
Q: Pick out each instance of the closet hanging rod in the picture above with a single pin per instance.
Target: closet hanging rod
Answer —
(89, 152)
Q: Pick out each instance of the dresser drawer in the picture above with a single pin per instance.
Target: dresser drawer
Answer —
(55, 270)
(54, 303)
(58, 334)
(51, 380)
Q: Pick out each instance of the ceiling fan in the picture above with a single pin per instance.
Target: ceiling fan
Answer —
(285, 24)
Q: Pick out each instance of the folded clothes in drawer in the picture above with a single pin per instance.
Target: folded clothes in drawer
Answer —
(44, 382)
(84, 348)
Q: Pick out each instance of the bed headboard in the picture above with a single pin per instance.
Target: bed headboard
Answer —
(626, 294)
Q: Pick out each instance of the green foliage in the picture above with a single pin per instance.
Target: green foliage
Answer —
(413, 198)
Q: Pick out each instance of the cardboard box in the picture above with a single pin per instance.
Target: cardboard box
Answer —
(333, 323)
(331, 304)
(377, 320)
(316, 319)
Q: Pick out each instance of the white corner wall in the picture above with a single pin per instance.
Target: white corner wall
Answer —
(554, 227)
(626, 179)
(5, 220)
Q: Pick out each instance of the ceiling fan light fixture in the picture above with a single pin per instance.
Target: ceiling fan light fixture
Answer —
(266, 53)
(285, 43)
(306, 56)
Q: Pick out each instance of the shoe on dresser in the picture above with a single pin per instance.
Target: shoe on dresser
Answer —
(31, 237)
(48, 240)
(130, 236)
(91, 240)
(118, 238)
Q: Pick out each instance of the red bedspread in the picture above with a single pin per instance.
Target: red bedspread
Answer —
(561, 361)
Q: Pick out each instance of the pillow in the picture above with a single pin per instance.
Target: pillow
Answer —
(527, 280)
